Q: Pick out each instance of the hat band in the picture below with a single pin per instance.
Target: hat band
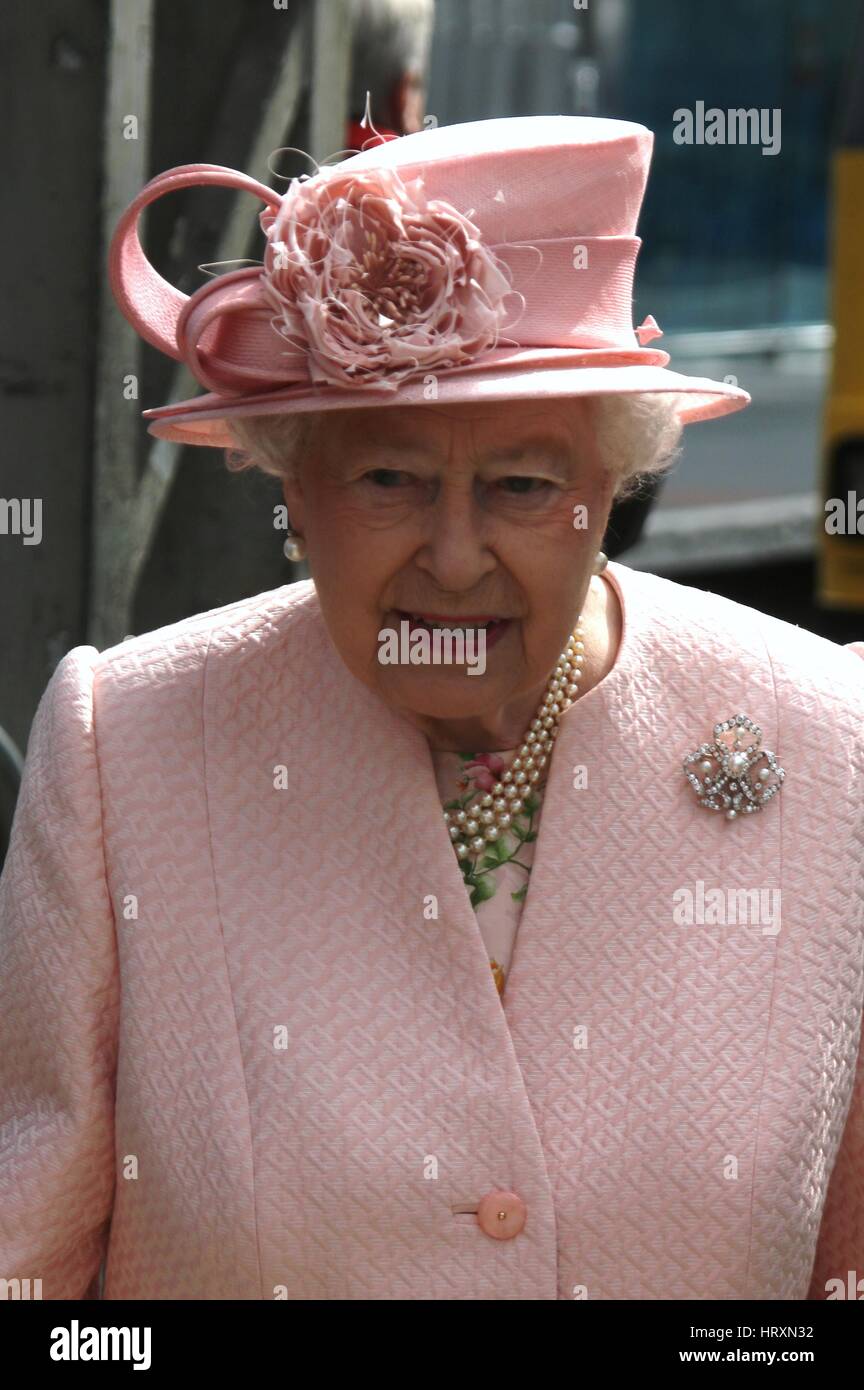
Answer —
(567, 293)
(577, 293)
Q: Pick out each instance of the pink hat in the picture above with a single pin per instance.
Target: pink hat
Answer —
(486, 261)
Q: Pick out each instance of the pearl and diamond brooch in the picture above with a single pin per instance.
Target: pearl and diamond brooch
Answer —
(734, 774)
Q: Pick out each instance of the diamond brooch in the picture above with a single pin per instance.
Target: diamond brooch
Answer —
(734, 774)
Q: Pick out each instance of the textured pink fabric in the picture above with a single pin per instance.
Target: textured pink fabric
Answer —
(685, 1152)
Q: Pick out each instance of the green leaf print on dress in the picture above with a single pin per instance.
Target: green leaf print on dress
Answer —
(480, 773)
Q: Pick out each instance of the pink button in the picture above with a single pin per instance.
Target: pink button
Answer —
(501, 1215)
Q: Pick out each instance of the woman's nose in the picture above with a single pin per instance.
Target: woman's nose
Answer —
(456, 550)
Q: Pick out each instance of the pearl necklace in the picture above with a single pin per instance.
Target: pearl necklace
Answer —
(490, 813)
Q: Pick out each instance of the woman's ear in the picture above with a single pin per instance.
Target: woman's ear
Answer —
(293, 495)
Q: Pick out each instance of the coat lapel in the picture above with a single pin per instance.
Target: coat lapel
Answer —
(609, 997)
(371, 1031)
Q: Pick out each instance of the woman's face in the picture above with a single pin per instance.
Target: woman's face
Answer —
(456, 511)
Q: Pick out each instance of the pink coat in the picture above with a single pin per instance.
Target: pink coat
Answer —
(240, 1057)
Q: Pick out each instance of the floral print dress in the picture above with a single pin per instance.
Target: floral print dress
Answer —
(499, 884)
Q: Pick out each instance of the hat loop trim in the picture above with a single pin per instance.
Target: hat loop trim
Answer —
(151, 304)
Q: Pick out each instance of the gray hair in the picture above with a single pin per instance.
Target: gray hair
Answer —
(638, 436)
(388, 39)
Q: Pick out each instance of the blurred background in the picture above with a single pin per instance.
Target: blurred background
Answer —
(751, 264)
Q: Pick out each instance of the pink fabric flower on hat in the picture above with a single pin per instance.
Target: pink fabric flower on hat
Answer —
(376, 282)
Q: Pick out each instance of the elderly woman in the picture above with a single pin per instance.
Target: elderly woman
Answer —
(470, 920)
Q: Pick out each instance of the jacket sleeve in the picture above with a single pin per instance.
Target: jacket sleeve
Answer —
(59, 1004)
(840, 1247)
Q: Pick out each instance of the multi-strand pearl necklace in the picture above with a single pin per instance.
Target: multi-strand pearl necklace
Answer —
(489, 813)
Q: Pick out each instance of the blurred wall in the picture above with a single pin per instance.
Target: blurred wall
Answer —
(216, 542)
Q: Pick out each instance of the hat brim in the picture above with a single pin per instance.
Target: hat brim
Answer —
(205, 420)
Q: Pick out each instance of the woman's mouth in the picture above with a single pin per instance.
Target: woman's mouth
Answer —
(493, 627)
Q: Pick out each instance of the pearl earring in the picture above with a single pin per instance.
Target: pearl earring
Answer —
(600, 562)
(294, 547)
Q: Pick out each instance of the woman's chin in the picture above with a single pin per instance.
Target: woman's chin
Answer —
(441, 692)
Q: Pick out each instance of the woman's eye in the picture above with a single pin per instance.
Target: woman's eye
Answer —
(383, 477)
(524, 484)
